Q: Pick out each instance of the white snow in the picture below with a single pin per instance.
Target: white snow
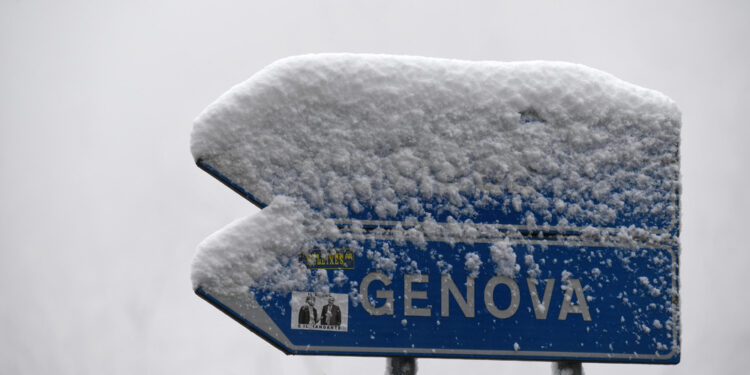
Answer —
(504, 257)
(564, 276)
(340, 278)
(533, 269)
(652, 290)
(383, 260)
(596, 272)
(251, 251)
(324, 136)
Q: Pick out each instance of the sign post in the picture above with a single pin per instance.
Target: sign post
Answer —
(567, 368)
(401, 366)
(544, 236)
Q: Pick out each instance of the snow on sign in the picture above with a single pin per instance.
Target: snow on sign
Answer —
(439, 208)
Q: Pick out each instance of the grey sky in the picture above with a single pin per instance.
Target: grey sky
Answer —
(101, 206)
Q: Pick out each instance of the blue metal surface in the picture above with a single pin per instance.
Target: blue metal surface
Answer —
(630, 291)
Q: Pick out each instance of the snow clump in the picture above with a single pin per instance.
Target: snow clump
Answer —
(321, 139)
(505, 258)
(395, 136)
(250, 252)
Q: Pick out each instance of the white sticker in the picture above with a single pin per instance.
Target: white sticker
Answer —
(320, 311)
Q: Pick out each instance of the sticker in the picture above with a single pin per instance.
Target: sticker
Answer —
(342, 259)
(320, 311)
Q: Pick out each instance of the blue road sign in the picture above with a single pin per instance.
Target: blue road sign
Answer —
(579, 290)
(606, 310)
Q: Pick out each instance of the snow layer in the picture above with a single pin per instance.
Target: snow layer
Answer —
(558, 142)
(419, 139)
(505, 258)
(250, 252)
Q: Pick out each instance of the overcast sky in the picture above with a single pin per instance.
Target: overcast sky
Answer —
(101, 206)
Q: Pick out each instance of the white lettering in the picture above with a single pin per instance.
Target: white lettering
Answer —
(409, 295)
(489, 299)
(567, 307)
(447, 286)
(387, 307)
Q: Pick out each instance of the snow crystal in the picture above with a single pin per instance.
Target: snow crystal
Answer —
(532, 269)
(564, 276)
(320, 283)
(345, 131)
(444, 267)
(504, 257)
(472, 264)
(652, 290)
(596, 272)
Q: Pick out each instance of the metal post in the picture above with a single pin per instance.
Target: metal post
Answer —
(567, 368)
(401, 366)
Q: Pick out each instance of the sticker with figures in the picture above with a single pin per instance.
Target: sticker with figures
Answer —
(320, 311)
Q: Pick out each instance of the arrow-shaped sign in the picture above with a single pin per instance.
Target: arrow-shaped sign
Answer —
(427, 207)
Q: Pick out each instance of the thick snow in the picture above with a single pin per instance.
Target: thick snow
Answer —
(343, 131)
(411, 138)
(250, 252)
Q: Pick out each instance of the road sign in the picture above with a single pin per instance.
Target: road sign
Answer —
(467, 227)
